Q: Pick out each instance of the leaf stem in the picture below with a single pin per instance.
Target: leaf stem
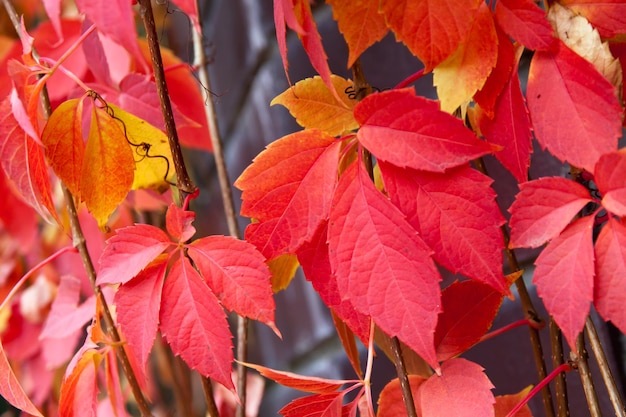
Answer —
(369, 366)
(410, 79)
(605, 370)
(544, 382)
(523, 322)
(183, 181)
(580, 358)
(560, 387)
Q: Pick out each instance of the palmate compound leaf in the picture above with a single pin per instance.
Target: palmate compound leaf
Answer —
(610, 250)
(464, 72)
(574, 110)
(433, 29)
(525, 22)
(564, 277)
(410, 131)
(457, 216)
(360, 23)
(10, 387)
(382, 265)
(611, 182)
(462, 390)
(314, 106)
(194, 324)
(288, 189)
(543, 208)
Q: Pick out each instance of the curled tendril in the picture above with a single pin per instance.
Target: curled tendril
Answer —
(354, 95)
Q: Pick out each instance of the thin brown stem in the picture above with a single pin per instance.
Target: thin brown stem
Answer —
(605, 370)
(183, 181)
(580, 359)
(207, 388)
(560, 387)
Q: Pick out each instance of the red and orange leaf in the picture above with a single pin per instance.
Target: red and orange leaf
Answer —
(382, 265)
(543, 208)
(608, 16)
(288, 189)
(178, 223)
(10, 387)
(24, 164)
(300, 382)
(391, 402)
(432, 29)
(564, 277)
(469, 309)
(315, 107)
(319, 405)
(64, 144)
(462, 390)
(525, 22)
(137, 305)
(108, 166)
(129, 251)
(510, 128)
(505, 403)
(609, 297)
(79, 392)
(238, 276)
(410, 131)
(360, 23)
(610, 177)
(464, 72)
(194, 324)
(457, 216)
(574, 109)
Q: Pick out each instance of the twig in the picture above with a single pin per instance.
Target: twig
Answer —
(207, 387)
(229, 210)
(560, 387)
(183, 181)
(605, 370)
(580, 358)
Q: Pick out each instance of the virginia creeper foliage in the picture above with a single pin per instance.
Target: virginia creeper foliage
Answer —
(378, 197)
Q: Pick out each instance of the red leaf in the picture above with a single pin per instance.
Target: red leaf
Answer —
(129, 251)
(301, 382)
(382, 265)
(391, 402)
(16, 217)
(510, 128)
(457, 216)
(610, 283)
(79, 391)
(237, 274)
(469, 309)
(194, 324)
(410, 131)
(574, 109)
(288, 189)
(320, 405)
(543, 208)
(461, 390)
(138, 303)
(178, 223)
(66, 315)
(564, 277)
(608, 16)
(525, 22)
(432, 29)
(611, 180)
(11, 390)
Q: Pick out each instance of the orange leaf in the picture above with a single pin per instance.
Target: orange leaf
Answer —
(390, 402)
(431, 29)
(315, 107)
(360, 23)
(466, 70)
(79, 390)
(505, 403)
(608, 16)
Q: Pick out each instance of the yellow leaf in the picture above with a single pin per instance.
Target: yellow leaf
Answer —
(283, 270)
(315, 107)
(464, 72)
(108, 166)
(151, 151)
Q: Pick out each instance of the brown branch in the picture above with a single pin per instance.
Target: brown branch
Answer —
(556, 338)
(580, 359)
(207, 388)
(183, 181)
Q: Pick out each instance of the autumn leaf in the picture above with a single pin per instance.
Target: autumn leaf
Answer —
(608, 16)
(432, 30)
(319, 405)
(314, 107)
(543, 208)
(573, 108)
(288, 189)
(382, 265)
(300, 382)
(609, 176)
(67, 315)
(360, 23)
(505, 403)
(391, 402)
(564, 277)
(80, 388)
(283, 270)
(525, 22)
(194, 324)
(11, 390)
(178, 223)
(457, 216)
(410, 131)
(464, 72)
(462, 390)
